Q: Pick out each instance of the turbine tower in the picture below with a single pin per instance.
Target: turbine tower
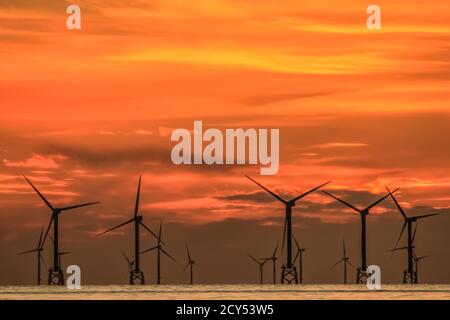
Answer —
(38, 250)
(361, 275)
(190, 264)
(137, 276)
(288, 270)
(273, 258)
(299, 256)
(55, 274)
(344, 259)
(159, 249)
(260, 263)
(408, 223)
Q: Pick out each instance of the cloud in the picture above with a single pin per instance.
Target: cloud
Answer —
(37, 161)
(342, 145)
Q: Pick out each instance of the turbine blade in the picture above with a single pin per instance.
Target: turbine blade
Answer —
(284, 235)
(310, 191)
(275, 251)
(149, 230)
(426, 215)
(79, 206)
(40, 194)
(296, 243)
(29, 251)
(350, 263)
(379, 200)
(187, 265)
(167, 254)
(40, 238)
(188, 253)
(118, 226)
(296, 256)
(152, 248)
(400, 236)
(397, 204)
(414, 234)
(253, 258)
(272, 193)
(48, 229)
(343, 245)
(138, 195)
(126, 257)
(342, 201)
(334, 265)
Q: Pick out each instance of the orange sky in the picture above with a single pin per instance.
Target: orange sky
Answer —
(82, 113)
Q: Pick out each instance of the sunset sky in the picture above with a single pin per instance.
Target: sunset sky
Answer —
(84, 112)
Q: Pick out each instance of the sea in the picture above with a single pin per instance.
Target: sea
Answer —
(228, 292)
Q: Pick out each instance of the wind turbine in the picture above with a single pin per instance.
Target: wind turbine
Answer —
(190, 263)
(273, 258)
(38, 250)
(408, 223)
(299, 255)
(159, 249)
(137, 276)
(130, 263)
(289, 273)
(416, 262)
(260, 263)
(56, 275)
(362, 270)
(344, 259)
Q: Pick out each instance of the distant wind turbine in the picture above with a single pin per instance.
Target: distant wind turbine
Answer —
(159, 249)
(344, 259)
(137, 276)
(289, 273)
(362, 270)
(260, 263)
(56, 275)
(190, 264)
(38, 250)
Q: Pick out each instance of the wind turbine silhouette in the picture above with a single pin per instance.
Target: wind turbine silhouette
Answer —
(38, 250)
(362, 270)
(190, 263)
(299, 256)
(344, 259)
(130, 263)
(273, 258)
(260, 263)
(289, 273)
(56, 276)
(137, 275)
(408, 223)
(159, 249)
(417, 262)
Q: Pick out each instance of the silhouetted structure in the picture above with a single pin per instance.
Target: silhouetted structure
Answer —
(38, 250)
(159, 249)
(273, 258)
(361, 275)
(137, 276)
(344, 259)
(56, 275)
(299, 256)
(130, 264)
(408, 222)
(260, 263)
(288, 270)
(190, 264)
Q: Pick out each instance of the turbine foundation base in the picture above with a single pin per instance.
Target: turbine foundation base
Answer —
(289, 275)
(55, 277)
(137, 278)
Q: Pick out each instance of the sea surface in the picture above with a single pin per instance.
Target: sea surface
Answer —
(227, 292)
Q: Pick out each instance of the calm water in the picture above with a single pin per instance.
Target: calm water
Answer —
(195, 292)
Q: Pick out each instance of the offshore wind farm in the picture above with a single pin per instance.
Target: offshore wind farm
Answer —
(275, 288)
